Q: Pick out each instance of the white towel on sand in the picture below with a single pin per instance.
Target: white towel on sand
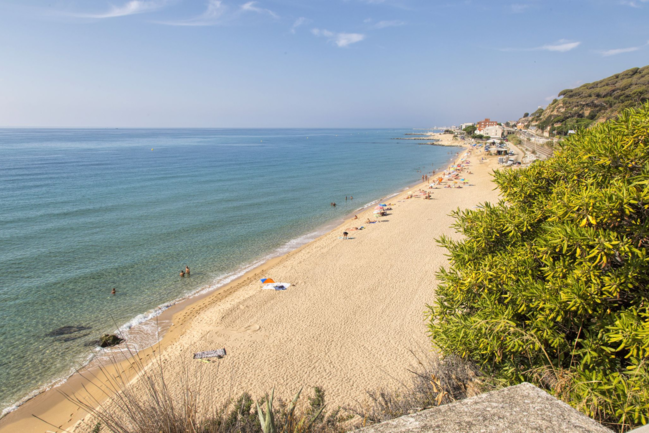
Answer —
(276, 286)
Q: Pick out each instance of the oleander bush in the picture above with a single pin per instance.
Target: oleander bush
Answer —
(550, 285)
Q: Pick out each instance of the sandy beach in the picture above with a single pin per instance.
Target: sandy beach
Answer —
(354, 310)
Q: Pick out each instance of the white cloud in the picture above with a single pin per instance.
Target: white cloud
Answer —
(298, 22)
(213, 13)
(346, 39)
(562, 46)
(217, 12)
(615, 51)
(129, 8)
(251, 7)
(632, 3)
(385, 24)
(342, 40)
(520, 8)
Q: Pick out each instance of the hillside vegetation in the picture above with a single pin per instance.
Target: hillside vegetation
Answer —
(593, 102)
(551, 284)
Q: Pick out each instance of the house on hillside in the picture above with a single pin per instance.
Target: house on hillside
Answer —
(486, 123)
(495, 131)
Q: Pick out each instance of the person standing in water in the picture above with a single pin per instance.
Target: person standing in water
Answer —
(187, 270)
(182, 274)
(113, 292)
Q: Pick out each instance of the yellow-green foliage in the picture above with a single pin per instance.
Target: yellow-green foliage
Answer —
(551, 284)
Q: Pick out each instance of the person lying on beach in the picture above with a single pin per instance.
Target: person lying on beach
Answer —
(355, 217)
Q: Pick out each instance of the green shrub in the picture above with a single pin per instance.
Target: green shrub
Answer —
(551, 284)
(514, 139)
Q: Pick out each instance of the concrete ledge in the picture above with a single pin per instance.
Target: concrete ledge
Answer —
(521, 408)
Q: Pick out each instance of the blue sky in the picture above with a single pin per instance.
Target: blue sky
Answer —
(304, 63)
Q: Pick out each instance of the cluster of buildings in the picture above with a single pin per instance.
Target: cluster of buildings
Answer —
(488, 128)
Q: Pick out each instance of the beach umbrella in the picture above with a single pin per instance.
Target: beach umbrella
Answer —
(377, 211)
(378, 207)
(267, 281)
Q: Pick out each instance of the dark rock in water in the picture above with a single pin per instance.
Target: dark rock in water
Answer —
(71, 338)
(109, 340)
(66, 330)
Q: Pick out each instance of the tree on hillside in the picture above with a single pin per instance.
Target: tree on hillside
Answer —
(470, 130)
(551, 284)
(526, 115)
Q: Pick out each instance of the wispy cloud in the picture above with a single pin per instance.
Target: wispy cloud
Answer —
(560, 46)
(132, 7)
(616, 51)
(386, 24)
(518, 8)
(213, 13)
(298, 23)
(400, 4)
(342, 40)
(217, 12)
(252, 7)
(632, 3)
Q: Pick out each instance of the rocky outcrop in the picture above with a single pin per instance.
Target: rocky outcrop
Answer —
(518, 409)
(109, 340)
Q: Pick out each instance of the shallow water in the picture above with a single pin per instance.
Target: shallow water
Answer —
(83, 211)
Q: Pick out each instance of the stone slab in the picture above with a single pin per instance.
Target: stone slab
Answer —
(523, 408)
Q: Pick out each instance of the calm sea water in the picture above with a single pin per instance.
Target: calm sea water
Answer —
(83, 211)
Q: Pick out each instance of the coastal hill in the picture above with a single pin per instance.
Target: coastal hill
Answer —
(592, 103)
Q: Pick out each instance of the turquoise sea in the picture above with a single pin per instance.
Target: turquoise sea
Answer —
(83, 211)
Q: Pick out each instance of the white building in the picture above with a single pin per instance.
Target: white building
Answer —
(492, 131)
(464, 125)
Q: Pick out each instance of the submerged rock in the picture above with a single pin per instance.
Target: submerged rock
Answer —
(67, 330)
(109, 340)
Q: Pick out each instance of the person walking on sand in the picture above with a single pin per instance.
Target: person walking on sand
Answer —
(187, 270)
